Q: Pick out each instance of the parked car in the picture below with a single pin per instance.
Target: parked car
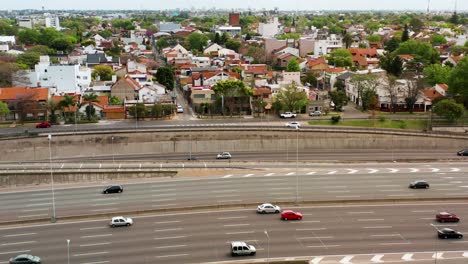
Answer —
(224, 155)
(180, 109)
(290, 215)
(268, 208)
(315, 113)
(240, 248)
(121, 221)
(463, 152)
(447, 217)
(448, 233)
(293, 124)
(113, 189)
(288, 115)
(419, 184)
(44, 125)
(25, 259)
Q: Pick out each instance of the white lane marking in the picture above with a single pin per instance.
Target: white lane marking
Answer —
(269, 174)
(394, 243)
(167, 222)
(236, 225)
(376, 227)
(388, 185)
(465, 254)
(104, 209)
(351, 171)
(392, 170)
(168, 230)
(172, 256)
(316, 237)
(311, 229)
(24, 234)
(163, 194)
(39, 209)
(38, 204)
(227, 176)
(228, 201)
(377, 259)
(372, 171)
(173, 246)
(423, 211)
(311, 173)
(165, 238)
(103, 204)
(346, 260)
(19, 243)
(281, 188)
(348, 196)
(248, 175)
(445, 225)
(163, 205)
(434, 169)
(223, 191)
(163, 200)
(438, 255)
(227, 195)
(454, 169)
(291, 173)
(231, 217)
(368, 212)
(93, 236)
(14, 252)
(456, 182)
(316, 260)
(370, 219)
(332, 172)
(35, 215)
(39, 199)
(427, 218)
(89, 254)
(343, 191)
(414, 170)
(407, 257)
(324, 246)
(99, 262)
(96, 244)
(242, 232)
(385, 235)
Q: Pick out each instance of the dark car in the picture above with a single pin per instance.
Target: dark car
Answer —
(463, 152)
(44, 125)
(448, 233)
(25, 259)
(419, 185)
(447, 217)
(113, 189)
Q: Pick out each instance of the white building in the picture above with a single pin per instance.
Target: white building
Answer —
(8, 40)
(232, 31)
(26, 22)
(270, 29)
(201, 62)
(325, 46)
(52, 21)
(151, 93)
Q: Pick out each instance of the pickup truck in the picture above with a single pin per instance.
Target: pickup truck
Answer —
(287, 115)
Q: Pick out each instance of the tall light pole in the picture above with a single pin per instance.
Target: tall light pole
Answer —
(435, 244)
(268, 246)
(112, 147)
(76, 110)
(136, 115)
(68, 251)
(190, 147)
(297, 164)
(53, 219)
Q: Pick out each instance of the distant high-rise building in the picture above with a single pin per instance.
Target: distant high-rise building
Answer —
(52, 21)
(26, 22)
(234, 19)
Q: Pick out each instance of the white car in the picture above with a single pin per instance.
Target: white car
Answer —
(293, 124)
(240, 248)
(315, 113)
(267, 208)
(224, 155)
(180, 109)
(121, 221)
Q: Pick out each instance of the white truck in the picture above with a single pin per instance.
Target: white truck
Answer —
(287, 115)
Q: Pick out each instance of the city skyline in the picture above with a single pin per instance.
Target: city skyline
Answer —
(435, 5)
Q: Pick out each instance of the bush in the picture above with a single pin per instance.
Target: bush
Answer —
(402, 124)
(382, 118)
(335, 119)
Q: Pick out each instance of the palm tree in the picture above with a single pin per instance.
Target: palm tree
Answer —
(347, 40)
(67, 102)
(89, 99)
(52, 107)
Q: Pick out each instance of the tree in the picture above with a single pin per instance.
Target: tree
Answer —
(366, 85)
(458, 50)
(437, 73)
(310, 79)
(62, 44)
(89, 99)
(392, 64)
(138, 111)
(292, 99)
(421, 51)
(339, 99)
(28, 36)
(217, 38)
(416, 24)
(436, 40)
(233, 45)
(29, 58)
(4, 110)
(340, 58)
(48, 35)
(458, 82)
(449, 109)
(374, 38)
(104, 72)
(165, 76)
(66, 103)
(391, 88)
(414, 86)
(392, 44)
(114, 100)
(233, 92)
(197, 41)
(257, 53)
(347, 40)
(224, 38)
(52, 107)
(293, 65)
(405, 36)
(454, 19)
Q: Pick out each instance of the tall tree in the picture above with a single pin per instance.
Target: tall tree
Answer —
(89, 99)
(340, 58)
(405, 36)
(293, 65)
(233, 92)
(217, 38)
(165, 76)
(66, 103)
(339, 99)
(392, 44)
(366, 86)
(416, 24)
(414, 86)
(449, 109)
(458, 82)
(421, 51)
(391, 87)
(52, 107)
(102, 72)
(347, 40)
(392, 64)
(292, 99)
(197, 41)
(436, 73)
(4, 110)
(233, 45)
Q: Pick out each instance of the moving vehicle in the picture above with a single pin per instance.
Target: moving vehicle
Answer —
(113, 189)
(315, 113)
(180, 109)
(288, 115)
(25, 259)
(121, 221)
(44, 124)
(447, 217)
(290, 215)
(293, 124)
(240, 248)
(419, 184)
(463, 152)
(448, 233)
(224, 155)
(268, 208)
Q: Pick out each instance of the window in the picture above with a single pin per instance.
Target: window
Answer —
(199, 96)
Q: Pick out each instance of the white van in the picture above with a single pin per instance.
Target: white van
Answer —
(240, 248)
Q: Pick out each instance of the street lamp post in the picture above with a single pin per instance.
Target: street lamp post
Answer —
(297, 164)
(68, 251)
(268, 246)
(53, 219)
(136, 115)
(435, 245)
(112, 147)
(76, 110)
(190, 147)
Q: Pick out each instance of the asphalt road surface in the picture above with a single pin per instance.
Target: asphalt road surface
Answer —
(327, 234)
(318, 183)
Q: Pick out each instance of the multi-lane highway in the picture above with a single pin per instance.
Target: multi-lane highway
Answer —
(316, 183)
(378, 232)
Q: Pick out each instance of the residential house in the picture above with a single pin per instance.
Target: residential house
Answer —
(283, 59)
(25, 103)
(201, 61)
(330, 76)
(151, 93)
(454, 60)
(270, 29)
(441, 88)
(201, 94)
(99, 106)
(169, 27)
(364, 58)
(211, 78)
(262, 96)
(113, 112)
(327, 44)
(125, 89)
(212, 50)
(317, 65)
(232, 31)
(101, 58)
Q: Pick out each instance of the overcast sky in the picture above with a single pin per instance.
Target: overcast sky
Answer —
(234, 4)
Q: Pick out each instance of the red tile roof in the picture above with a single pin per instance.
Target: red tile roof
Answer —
(431, 93)
(335, 70)
(13, 93)
(315, 62)
(443, 86)
(113, 109)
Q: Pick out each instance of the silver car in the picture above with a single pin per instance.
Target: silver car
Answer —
(268, 208)
(224, 155)
(121, 221)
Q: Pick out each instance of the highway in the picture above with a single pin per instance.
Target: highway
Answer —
(315, 183)
(384, 232)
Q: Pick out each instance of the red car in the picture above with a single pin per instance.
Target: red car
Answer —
(44, 125)
(290, 215)
(447, 217)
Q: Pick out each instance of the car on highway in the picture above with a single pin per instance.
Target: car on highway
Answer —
(192, 158)
(293, 124)
(419, 184)
(44, 124)
(463, 152)
(25, 259)
(267, 208)
(290, 215)
(447, 217)
(113, 189)
(315, 113)
(121, 221)
(448, 233)
(224, 155)
(240, 248)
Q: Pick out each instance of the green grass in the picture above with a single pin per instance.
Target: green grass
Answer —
(414, 124)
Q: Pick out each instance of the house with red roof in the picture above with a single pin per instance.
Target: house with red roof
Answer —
(25, 103)
(125, 89)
